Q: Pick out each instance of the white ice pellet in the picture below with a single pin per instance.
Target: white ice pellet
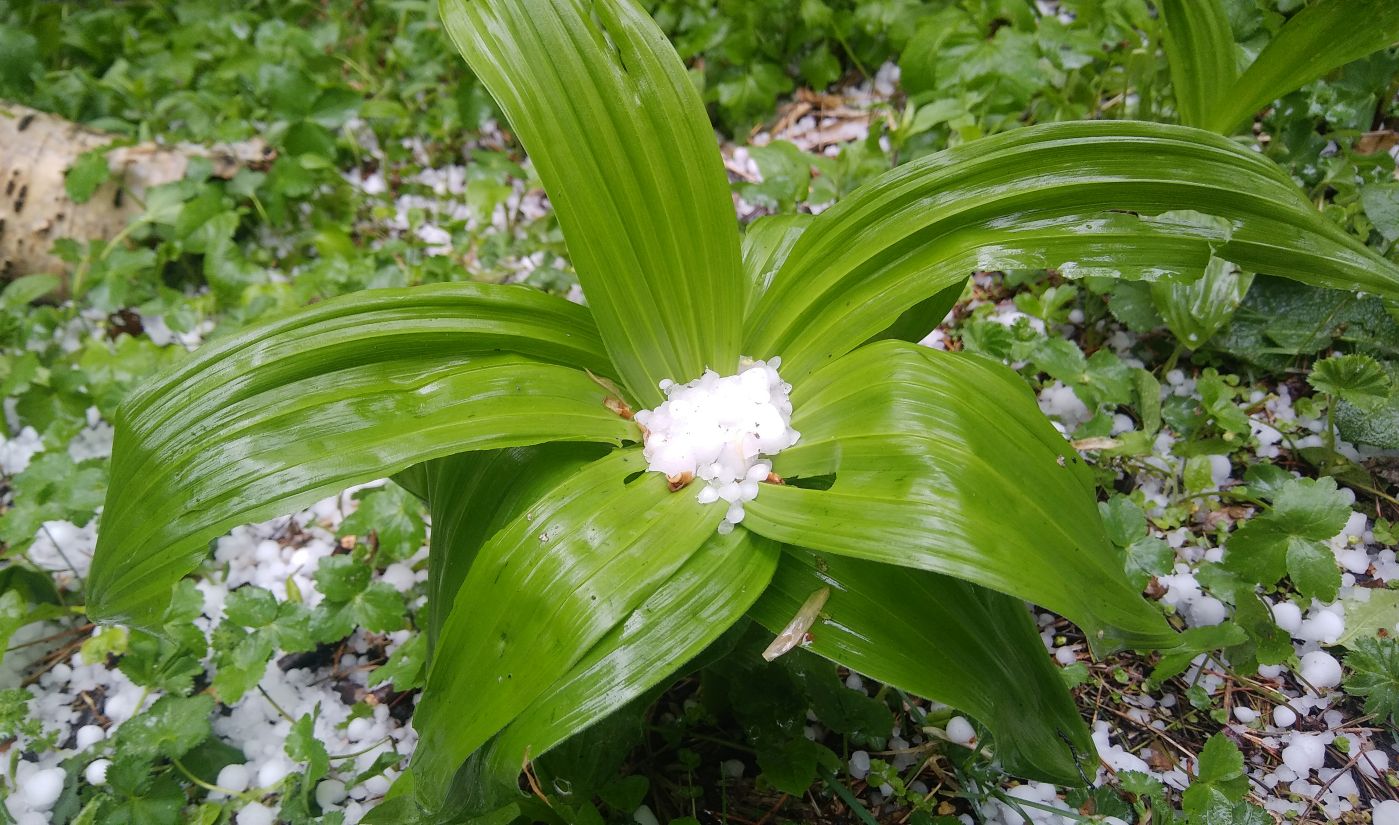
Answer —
(1287, 616)
(272, 772)
(1386, 813)
(1219, 470)
(859, 764)
(1322, 626)
(1245, 714)
(256, 813)
(96, 771)
(1304, 752)
(89, 735)
(959, 730)
(330, 792)
(42, 788)
(1284, 716)
(717, 429)
(1207, 612)
(1320, 670)
(233, 778)
(1372, 764)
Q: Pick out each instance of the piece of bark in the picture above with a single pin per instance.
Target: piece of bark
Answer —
(36, 151)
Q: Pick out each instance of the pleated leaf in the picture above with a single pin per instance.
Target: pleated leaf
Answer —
(1321, 37)
(1195, 311)
(943, 462)
(342, 393)
(705, 597)
(619, 135)
(540, 594)
(1094, 198)
(943, 639)
(1200, 50)
(471, 496)
(766, 243)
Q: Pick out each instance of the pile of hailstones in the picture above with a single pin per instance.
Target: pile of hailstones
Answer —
(718, 429)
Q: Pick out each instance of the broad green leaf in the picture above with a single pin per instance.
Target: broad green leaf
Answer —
(766, 243)
(341, 393)
(923, 317)
(619, 136)
(1196, 310)
(1380, 612)
(540, 593)
(709, 592)
(943, 639)
(473, 495)
(1200, 49)
(1319, 38)
(1115, 198)
(930, 451)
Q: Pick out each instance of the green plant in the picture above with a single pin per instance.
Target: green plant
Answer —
(927, 492)
(1212, 93)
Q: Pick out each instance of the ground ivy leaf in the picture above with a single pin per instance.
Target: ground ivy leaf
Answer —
(1311, 507)
(1312, 567)
(1305, 511)
(405, 669)
(251, 606)
(1222, 764)
(240, 661)
(1258, 551)
(87, 173)
(162, 664)
(294, 630)
(380, 608)
(845, 711)
(1061, 359)
(143, 801)
(1267, 643)
(341, 578)
(169, 728)
(1266, 480)
(790, 766)
(394, 516)
(1124, 520)
(303, 746)
(1374, 666)
(1147, 557)
(625, 793)
(13, 616)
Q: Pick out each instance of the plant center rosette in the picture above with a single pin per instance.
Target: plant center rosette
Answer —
(719, 430)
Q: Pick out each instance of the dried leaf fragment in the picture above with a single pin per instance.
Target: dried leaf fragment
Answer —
(796, 633)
